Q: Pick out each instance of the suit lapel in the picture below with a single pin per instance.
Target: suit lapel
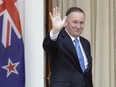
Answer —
(69, 46)
(68, 43)
(84, 44)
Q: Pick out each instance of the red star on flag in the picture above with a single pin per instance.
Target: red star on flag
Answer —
(11, 67)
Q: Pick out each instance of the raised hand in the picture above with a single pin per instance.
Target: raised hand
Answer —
(57, 22)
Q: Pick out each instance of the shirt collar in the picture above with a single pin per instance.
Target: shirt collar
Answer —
(72, 38)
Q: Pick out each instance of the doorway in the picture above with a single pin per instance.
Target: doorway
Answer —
(48, 26)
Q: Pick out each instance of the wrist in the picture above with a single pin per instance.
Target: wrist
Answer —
(55, 31)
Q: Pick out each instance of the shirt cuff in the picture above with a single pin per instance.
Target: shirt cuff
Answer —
(53, 36)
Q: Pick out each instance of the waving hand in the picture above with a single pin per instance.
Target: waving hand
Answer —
(57, 22)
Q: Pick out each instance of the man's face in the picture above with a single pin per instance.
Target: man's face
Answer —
(75, 23)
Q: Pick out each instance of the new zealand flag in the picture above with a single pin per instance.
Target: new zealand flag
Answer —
(12, 72)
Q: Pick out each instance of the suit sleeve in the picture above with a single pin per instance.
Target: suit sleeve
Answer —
(50, 46)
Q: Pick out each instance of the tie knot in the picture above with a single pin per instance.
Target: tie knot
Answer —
(76, 41)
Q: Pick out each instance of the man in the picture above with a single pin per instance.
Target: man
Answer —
(69, 66)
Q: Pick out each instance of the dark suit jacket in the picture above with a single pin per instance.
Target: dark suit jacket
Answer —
(65, 68)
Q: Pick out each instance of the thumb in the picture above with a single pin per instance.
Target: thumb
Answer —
(51, 16)
(64, 19)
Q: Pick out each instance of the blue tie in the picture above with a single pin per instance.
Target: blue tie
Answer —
(80, 55)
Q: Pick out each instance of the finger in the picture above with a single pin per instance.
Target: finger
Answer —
(51, 16)
(58, 11)
(53, 12)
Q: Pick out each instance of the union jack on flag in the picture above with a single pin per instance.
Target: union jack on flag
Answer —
(12, 71)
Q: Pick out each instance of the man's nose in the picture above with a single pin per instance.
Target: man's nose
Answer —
(78, 25)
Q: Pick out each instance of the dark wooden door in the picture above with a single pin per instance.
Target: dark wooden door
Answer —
(48, 25)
